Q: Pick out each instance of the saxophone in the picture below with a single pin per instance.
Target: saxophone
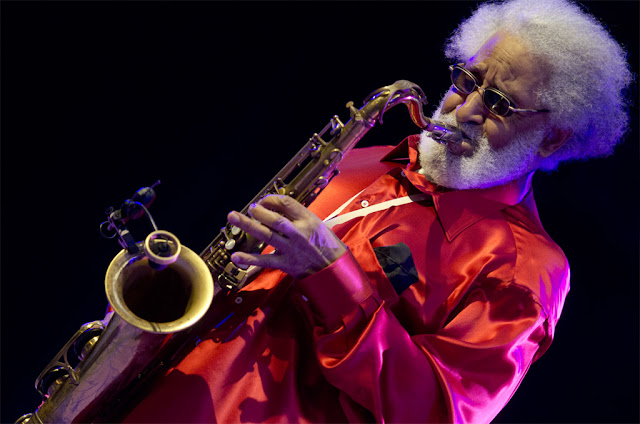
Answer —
(105, 363)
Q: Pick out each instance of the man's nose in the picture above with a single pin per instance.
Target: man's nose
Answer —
(472, 109)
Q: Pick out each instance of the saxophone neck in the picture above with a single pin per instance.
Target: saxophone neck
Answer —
(403, 91)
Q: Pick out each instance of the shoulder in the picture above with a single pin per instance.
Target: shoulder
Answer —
(540, 263)
(509, 247)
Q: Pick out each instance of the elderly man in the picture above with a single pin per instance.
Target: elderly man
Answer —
(431, 286)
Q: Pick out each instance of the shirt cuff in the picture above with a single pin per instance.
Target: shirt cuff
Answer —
(337, 291)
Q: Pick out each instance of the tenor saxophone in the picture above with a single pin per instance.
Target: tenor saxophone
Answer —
(118, 355)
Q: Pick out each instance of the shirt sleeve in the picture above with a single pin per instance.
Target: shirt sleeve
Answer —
(465, 371)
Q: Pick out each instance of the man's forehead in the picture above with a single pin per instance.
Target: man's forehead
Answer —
(503, 49)
(505, 58)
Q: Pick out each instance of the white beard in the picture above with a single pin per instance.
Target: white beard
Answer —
(485, 167)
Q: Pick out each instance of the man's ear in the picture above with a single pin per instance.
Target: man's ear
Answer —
(555, 138)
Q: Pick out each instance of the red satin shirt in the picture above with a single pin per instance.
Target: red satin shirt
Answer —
(482, 287)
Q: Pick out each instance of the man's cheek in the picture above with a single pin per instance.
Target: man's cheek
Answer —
(497, 133)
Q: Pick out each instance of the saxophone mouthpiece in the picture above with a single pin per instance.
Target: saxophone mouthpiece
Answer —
(444, 133)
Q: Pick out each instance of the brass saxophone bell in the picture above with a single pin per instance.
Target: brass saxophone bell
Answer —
(164, 288)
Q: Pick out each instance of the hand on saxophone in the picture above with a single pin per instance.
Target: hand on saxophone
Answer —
(303, 244)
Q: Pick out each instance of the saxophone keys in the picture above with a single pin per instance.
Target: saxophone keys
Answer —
(321, 182)
(336, 124)
(354, 112)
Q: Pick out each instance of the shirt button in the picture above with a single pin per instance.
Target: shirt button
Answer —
(364, 203)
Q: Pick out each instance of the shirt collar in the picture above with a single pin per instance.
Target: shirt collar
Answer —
(458, 209)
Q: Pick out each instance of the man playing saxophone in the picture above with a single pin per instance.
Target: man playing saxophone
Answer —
(420, 286)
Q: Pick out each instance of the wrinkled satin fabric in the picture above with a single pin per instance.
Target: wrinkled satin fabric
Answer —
(349, 344)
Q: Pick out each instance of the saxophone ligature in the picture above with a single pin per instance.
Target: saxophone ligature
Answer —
(159, 290)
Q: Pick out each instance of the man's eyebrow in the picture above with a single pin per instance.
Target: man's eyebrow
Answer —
(479, 71)
(471, 66)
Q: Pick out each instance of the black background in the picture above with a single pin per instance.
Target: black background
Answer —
(100, 99)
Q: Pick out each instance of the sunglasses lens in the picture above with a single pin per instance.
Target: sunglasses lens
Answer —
(462, 81)
(496, 102)
(466, 83)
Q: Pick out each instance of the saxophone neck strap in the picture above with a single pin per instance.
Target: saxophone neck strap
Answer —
(335, 218)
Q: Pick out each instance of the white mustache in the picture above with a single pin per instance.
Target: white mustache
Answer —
(471, 131)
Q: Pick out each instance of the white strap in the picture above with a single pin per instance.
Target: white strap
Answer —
(341, 208)
(333, 220)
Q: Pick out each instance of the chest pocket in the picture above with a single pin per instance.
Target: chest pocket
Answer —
(397, 263)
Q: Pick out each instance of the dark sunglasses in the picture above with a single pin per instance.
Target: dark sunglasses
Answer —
(493, 99)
